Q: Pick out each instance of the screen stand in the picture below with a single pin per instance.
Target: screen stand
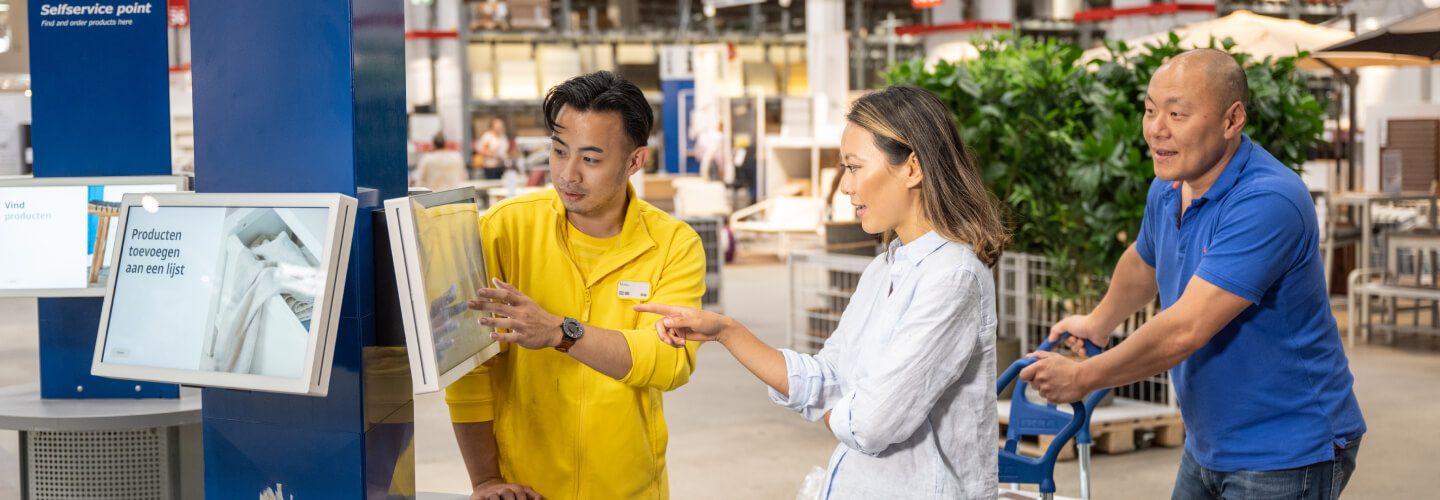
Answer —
(68, 327)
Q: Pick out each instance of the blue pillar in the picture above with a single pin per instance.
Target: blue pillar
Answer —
(101, 107)
(670, 115)
(309, 97)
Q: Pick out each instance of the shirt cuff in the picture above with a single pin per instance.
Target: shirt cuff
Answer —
(470, 412)
(470, 399)
(795, 381)
(1233, 286)
(642, 356)
(840, 425)
(655, 364)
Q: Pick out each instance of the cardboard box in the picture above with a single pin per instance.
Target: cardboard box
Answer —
(529, 14)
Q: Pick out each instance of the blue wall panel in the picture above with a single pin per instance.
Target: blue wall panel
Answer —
(308, 97)
(68, 329)
(242, 459)
(273, 100)
(100, 107)
(101, 103)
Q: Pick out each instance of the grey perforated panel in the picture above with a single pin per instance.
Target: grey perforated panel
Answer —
(99, 465)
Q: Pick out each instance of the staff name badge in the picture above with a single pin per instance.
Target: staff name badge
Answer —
(633, 290)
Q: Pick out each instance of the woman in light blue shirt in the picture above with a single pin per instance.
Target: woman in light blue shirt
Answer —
(907, 380)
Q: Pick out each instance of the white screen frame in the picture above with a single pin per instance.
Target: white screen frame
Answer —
(181, 183)
(320, 347)
(425, 374)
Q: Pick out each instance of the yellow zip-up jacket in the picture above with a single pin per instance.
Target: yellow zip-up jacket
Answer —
(563, 428)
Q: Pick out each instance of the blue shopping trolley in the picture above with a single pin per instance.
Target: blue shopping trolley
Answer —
(1028, 418)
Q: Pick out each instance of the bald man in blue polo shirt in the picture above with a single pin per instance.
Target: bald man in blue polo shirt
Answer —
(1230, 242)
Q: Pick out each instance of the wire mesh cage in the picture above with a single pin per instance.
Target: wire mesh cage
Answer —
(1404, 299)
(820, 288)
(821, 285)
(711, 230)
(136, 464)
(1026, 311)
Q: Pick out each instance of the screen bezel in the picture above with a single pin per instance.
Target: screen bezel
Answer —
(181, 183)
(320, 347)
(424, 364)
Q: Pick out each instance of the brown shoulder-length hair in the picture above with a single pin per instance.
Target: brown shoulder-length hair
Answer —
(954, 200)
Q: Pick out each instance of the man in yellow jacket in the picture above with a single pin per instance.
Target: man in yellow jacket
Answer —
(571, 407)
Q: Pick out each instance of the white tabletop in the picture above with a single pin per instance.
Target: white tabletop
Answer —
(22, 409)
(1363, 196)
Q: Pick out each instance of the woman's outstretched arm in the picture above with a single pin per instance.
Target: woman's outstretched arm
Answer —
(686, 323)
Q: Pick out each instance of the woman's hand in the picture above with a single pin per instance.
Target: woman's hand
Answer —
(687, 323)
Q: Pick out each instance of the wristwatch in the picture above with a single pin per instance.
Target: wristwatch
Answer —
(570, 332)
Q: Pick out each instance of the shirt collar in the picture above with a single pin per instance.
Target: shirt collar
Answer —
(631, 227)
(1232, 171)
(914, 252)
(635, 238)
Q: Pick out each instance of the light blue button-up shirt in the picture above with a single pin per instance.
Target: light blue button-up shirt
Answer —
(909, 378)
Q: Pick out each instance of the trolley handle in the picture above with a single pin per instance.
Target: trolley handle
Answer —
(1090, 348)
(1004, 379)
(1009, 375)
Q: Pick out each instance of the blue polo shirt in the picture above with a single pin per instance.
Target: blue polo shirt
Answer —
(1273, 389)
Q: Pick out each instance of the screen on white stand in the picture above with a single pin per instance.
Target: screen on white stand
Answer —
(239, 291)
(439, 264)
(55, 231)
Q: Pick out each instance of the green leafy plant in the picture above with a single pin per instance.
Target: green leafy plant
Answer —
(1059, 141)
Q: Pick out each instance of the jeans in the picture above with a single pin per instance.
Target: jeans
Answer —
(1320, 481)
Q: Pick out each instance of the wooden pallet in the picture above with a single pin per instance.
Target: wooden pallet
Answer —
(1119, 436)
(1112, 427)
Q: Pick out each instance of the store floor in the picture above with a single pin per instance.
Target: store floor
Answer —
(728, 441)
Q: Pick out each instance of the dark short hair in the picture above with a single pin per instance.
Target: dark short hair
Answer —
(439, 140)
(602, 91)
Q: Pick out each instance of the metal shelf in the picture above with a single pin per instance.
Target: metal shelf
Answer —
(1045, 25)
(692, 38)
(653, 98)
(823, 316)
(1281, 9)
(658, 37)
(827, 291)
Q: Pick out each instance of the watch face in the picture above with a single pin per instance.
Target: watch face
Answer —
(572, 328)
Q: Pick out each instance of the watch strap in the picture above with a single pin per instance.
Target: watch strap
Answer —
(566, 339)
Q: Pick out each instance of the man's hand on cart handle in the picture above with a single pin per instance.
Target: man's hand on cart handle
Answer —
(1055, 376)
(1081, 328)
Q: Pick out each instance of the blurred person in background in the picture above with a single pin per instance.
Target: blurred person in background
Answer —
(440, 170)
(493, 150)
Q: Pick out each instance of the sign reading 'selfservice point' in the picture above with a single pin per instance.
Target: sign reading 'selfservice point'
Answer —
(92, 13)
(101, 101)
